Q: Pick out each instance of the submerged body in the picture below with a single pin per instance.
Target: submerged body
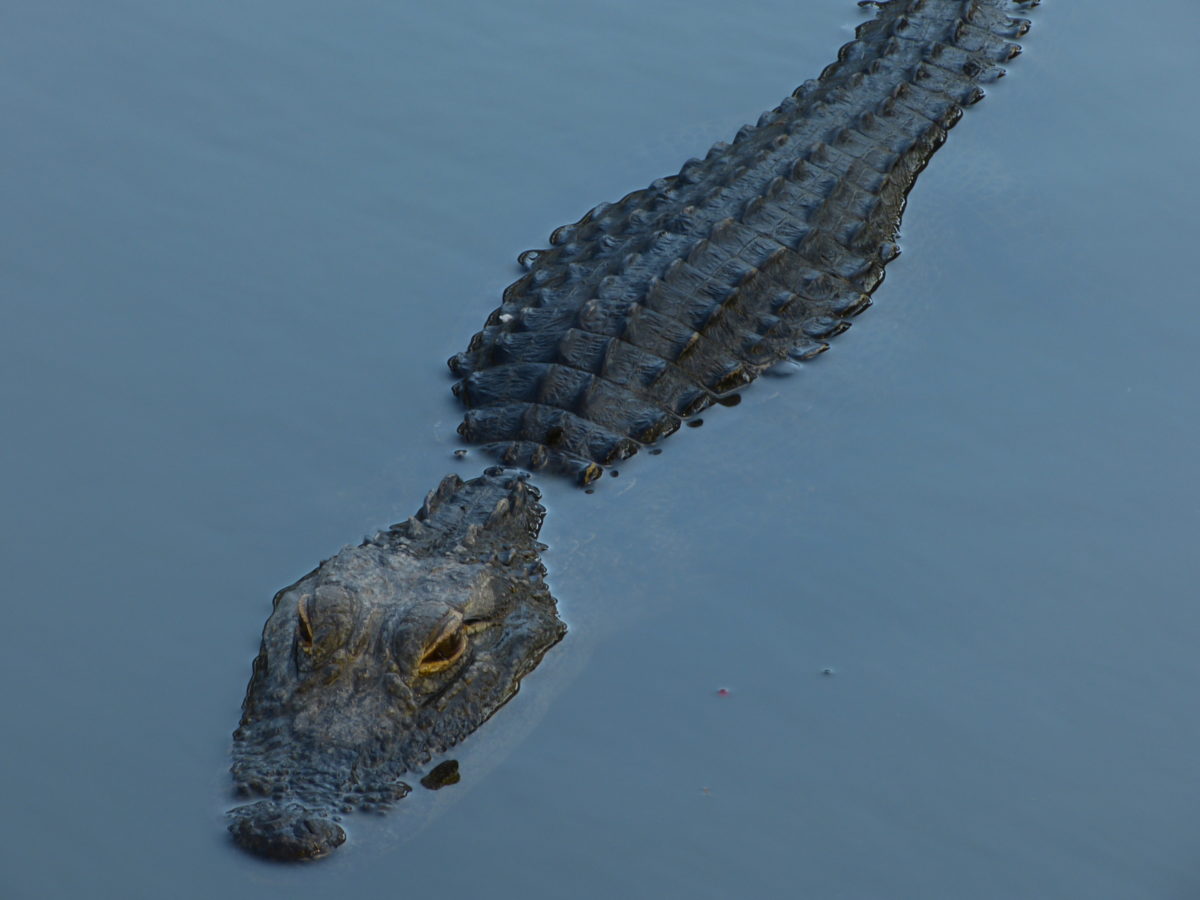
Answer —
(649, 310)
(641, 314)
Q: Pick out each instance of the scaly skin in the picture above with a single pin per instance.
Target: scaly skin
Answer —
(649, 310)
(641, 314)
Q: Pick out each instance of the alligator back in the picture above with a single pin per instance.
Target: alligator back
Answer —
(649, 310)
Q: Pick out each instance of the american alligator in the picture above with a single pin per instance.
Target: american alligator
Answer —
(640, 315)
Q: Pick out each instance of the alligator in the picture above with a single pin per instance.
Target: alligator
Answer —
(638, 316)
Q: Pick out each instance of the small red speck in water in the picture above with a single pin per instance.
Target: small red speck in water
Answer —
(723, 692)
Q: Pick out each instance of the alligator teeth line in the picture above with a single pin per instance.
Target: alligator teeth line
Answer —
(648, 310)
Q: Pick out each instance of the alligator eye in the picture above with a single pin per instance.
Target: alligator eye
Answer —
(444, 653)
(305, 624)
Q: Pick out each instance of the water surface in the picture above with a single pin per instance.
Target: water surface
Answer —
(238, 242)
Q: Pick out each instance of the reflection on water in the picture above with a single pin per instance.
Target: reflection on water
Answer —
(238, 246)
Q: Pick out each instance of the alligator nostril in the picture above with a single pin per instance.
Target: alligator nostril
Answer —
(284, 832)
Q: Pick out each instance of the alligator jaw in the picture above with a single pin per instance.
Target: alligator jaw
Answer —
(284, 831)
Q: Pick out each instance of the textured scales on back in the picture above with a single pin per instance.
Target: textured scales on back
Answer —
(649, 310)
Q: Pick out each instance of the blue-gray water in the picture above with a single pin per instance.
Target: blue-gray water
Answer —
(239, 240)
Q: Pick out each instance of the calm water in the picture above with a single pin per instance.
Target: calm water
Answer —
(239, 240)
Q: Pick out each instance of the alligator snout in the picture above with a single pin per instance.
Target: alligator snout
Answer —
(284, 831)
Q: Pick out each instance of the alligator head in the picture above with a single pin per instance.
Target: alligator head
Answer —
(386, 654)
